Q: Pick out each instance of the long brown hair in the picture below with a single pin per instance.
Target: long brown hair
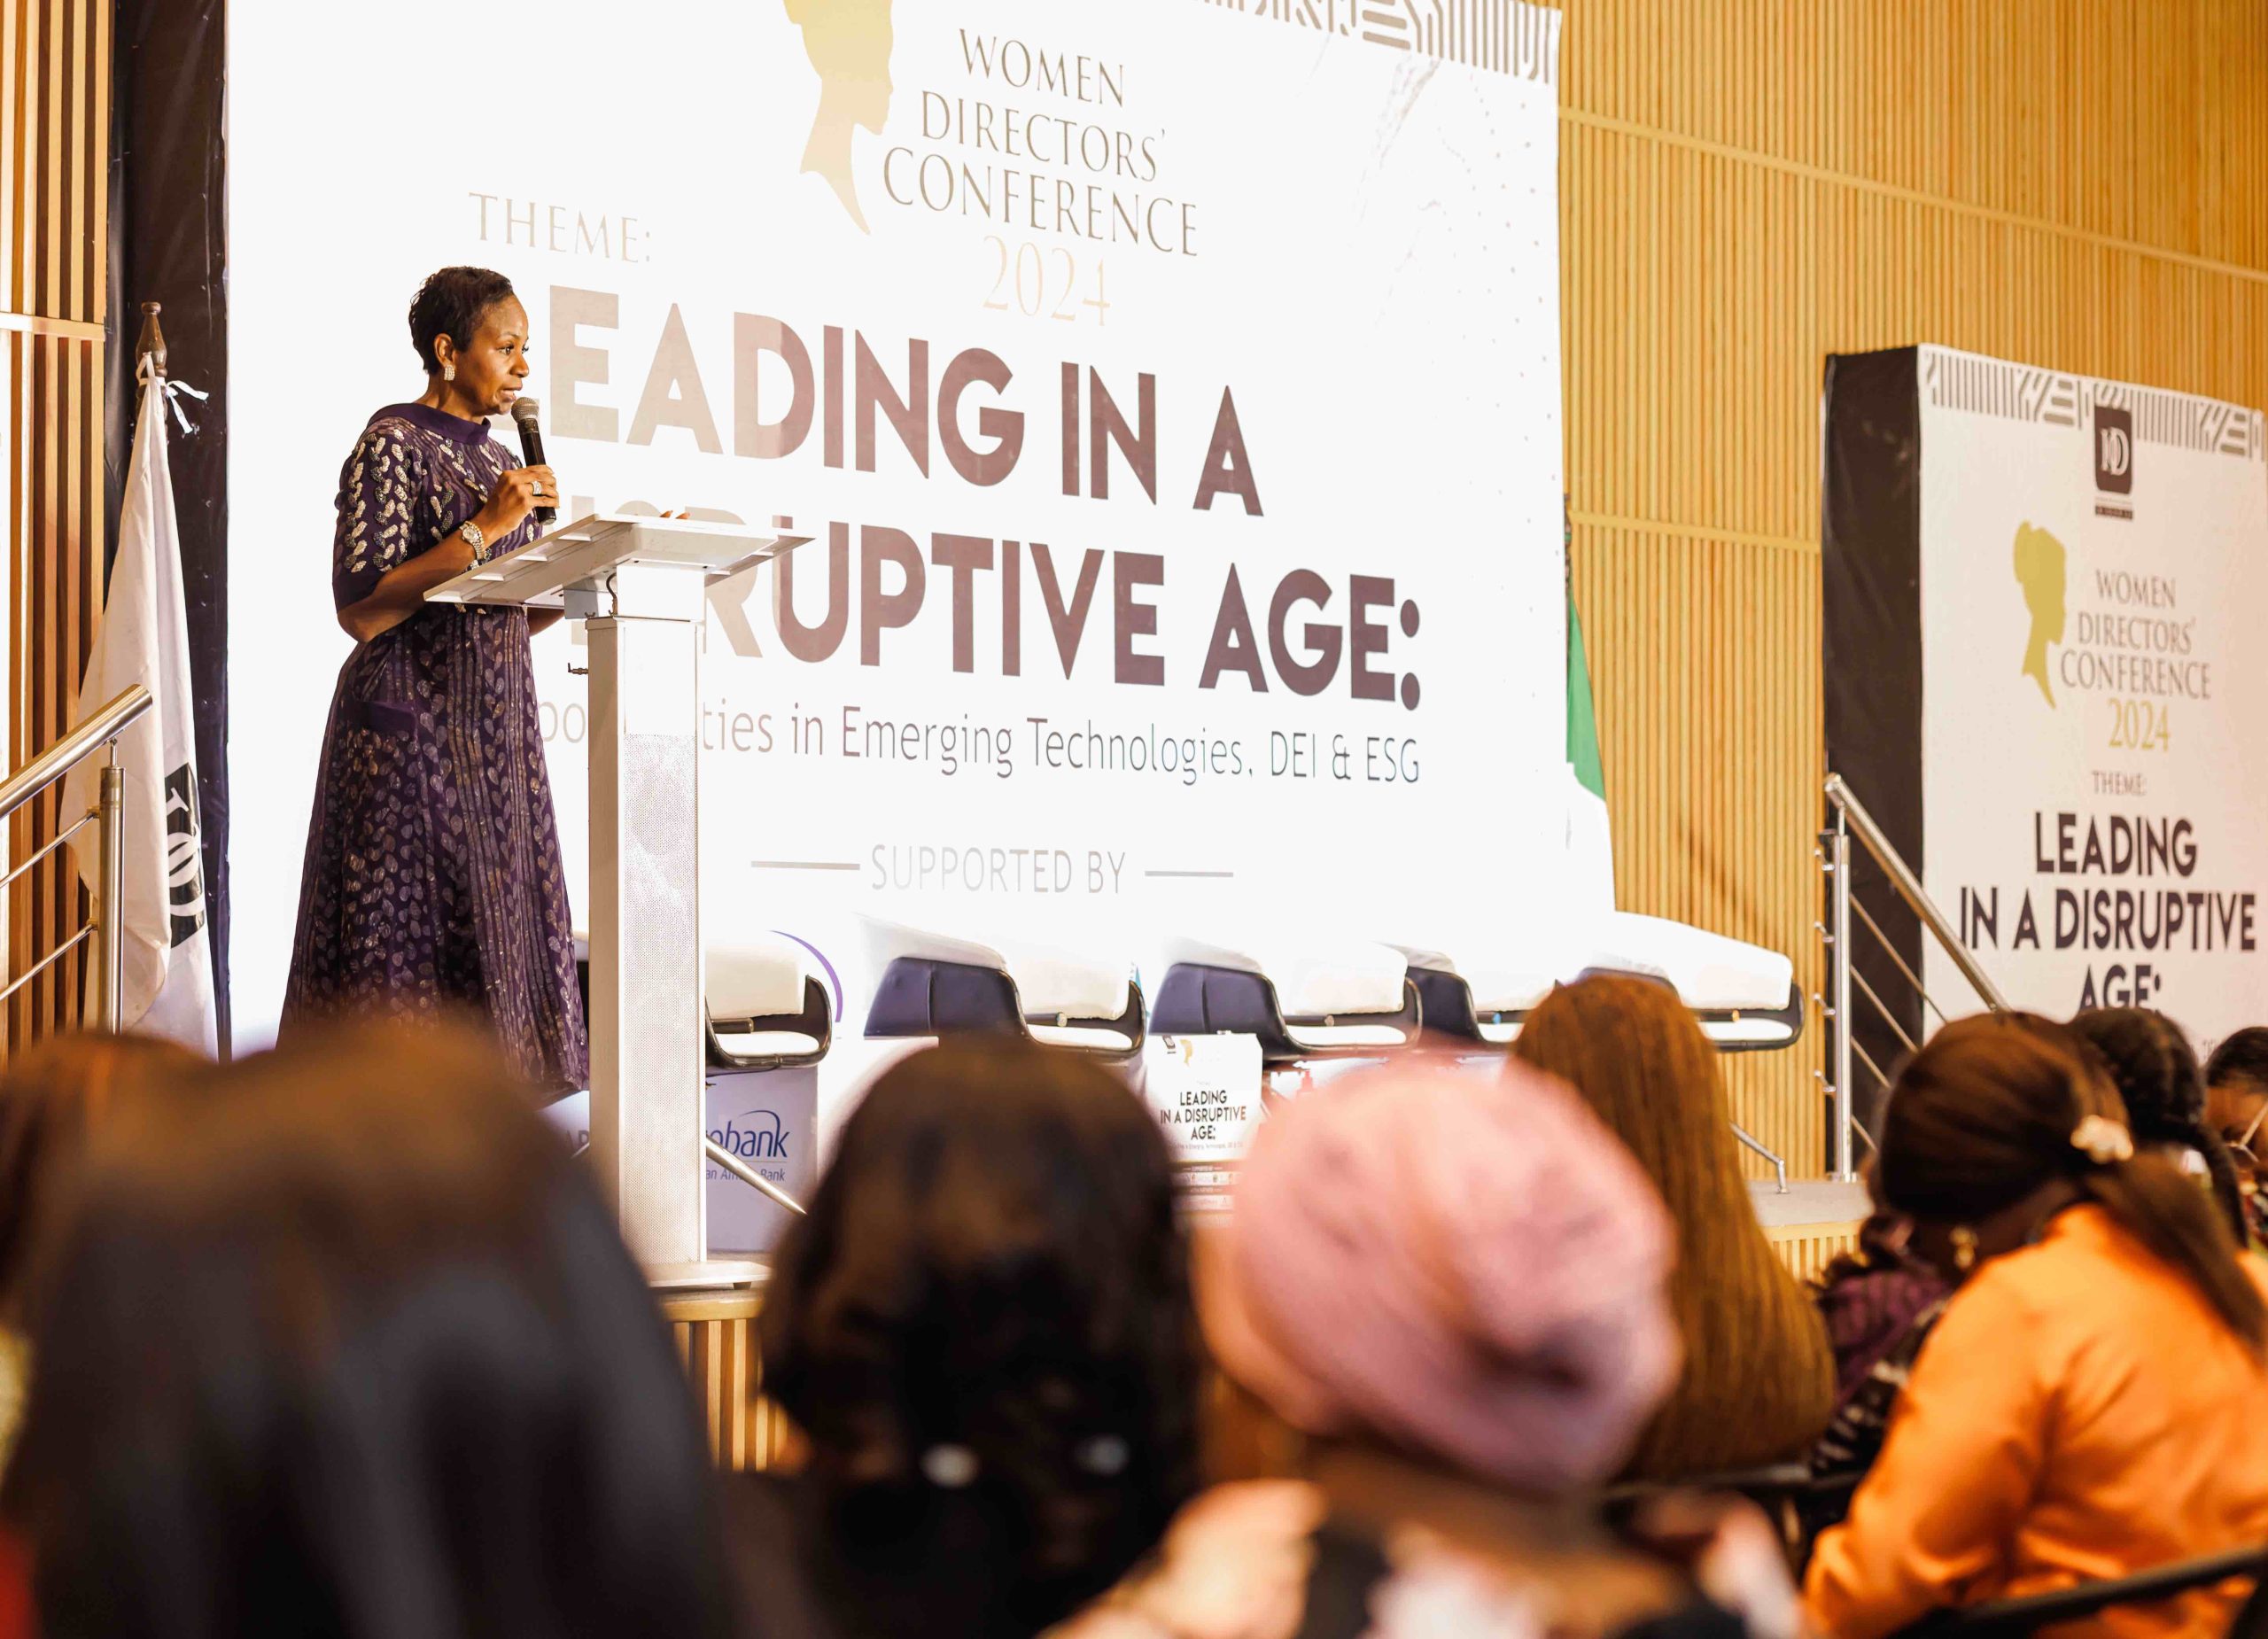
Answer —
(1759, 1382)
(1985, 1113)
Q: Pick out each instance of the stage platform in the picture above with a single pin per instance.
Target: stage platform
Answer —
(1812, 1223)
(715, 1332)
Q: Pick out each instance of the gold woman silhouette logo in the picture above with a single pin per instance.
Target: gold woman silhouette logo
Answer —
(848, 42)
(2039, 571)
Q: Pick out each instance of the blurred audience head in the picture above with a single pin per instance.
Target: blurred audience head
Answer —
(2002, 1120)
(51, 1097)
(349, 1346)
(2154, 1068)
(1469, 1270)
(988, 1310)
(1759, 1382)
(1885, 1240)
(1631, 1048)
(2236, 1089)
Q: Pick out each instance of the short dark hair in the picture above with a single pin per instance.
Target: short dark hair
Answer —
(450, 304)
(1987, 1112)
(2241, 1057)
(402, 1377)
(993, 1262)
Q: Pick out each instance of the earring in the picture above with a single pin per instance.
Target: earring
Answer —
(1964, 1248)
(448, 372)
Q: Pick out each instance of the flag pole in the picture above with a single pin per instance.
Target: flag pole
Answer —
(109, 816)
(110, 915)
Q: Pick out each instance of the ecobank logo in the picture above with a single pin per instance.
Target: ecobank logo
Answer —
(753, 1135)
(2114, 461)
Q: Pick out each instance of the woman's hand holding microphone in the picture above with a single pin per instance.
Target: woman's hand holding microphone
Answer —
(518, 494)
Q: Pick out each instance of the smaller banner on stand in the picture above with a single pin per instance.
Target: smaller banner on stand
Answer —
(2043, 675)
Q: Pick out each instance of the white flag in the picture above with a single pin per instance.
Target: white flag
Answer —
(145, 638)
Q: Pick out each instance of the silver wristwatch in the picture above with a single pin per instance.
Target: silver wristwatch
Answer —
(473, 538)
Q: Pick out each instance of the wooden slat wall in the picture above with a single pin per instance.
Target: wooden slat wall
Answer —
(55, 79)
(1806, 1250)
(715, 1333)
(1748, 185)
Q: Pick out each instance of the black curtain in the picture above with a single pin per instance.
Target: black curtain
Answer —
(168, 243)
(1870, 585)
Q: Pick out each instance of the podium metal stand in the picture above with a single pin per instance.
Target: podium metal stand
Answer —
(639, 583)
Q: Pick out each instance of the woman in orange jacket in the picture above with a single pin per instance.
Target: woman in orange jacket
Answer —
(2088, 1406)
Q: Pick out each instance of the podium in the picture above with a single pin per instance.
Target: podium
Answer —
(639, 583)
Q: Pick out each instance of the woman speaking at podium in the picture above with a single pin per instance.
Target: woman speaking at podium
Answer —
(433, 883)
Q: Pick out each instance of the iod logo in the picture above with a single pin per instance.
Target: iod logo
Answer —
(2114, 450)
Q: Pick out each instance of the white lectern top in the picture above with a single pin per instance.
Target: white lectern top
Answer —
(580, 555)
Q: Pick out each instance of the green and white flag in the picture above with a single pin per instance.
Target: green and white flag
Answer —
(1590, 844)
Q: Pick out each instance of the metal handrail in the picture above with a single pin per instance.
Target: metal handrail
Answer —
(1779, 1167)
(49, 960)
(1882, 1009)
(1852, 819)
(67, 753)
(745, 1173)
(50, 845)
(1862, 824)
(1891, 951)
(750, 1176)
(106, 926)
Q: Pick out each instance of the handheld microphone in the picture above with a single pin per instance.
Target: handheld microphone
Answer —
(524, 412)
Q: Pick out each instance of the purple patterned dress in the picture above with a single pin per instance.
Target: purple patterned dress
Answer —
(433, 883)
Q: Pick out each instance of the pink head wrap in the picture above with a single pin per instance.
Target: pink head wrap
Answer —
(1470, 1267)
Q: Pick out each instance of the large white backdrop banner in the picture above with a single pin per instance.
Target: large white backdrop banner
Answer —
(1171, 395)
(2095, 572)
